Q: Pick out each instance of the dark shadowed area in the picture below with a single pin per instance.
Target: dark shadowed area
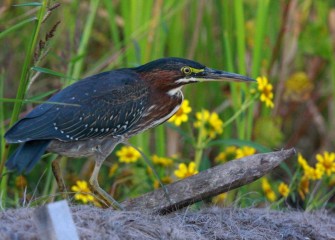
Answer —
(210, 223)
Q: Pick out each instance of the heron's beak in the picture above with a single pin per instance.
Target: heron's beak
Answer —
(210, 74)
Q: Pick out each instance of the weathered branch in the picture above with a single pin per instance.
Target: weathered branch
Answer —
(209, 183)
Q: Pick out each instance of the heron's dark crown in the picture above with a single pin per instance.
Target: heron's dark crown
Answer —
(170, 63)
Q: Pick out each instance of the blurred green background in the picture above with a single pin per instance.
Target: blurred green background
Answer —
(49, 44)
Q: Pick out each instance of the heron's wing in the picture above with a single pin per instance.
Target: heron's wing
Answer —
(112, 113)
(107, 104)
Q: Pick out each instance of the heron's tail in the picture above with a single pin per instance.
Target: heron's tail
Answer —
(26, 155)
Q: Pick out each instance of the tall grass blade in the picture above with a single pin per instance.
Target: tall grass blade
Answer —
(32, 4)
(16, 27)
(261, 20)
(51, 72)
(24, 80)
(85, 38)
(3, 176)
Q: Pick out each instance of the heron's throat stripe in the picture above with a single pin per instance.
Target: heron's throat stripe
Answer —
(188, 80)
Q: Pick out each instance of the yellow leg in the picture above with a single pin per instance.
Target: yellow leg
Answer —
(59, 177)
(95, 186)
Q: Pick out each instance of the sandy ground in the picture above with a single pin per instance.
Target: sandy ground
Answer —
(209, 223)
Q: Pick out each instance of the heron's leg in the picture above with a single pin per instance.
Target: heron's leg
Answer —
(95, 184)
(59, 177)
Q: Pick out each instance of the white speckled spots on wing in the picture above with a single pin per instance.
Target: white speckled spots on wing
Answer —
(151, 107)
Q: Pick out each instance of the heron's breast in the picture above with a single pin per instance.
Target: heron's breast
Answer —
(161, 108)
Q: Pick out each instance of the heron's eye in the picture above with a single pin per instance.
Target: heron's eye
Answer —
(186, 70)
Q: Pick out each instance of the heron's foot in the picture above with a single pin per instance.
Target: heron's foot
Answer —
(106, 197)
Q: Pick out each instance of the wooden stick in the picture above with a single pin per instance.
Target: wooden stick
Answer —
(209, 183)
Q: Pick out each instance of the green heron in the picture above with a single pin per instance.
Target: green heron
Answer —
(95, 114)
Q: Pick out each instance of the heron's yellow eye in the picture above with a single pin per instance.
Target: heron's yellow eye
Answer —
(186, 70)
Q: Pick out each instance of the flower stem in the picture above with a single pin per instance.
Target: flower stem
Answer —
(199, 147)
(244, 106)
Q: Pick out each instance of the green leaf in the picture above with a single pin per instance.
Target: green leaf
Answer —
(287, 169)
(16, 26)
(41, 96)
(51, 72)
(32, 4)
(13, 100)
(77, 58)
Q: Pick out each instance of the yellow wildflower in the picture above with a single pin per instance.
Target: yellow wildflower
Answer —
(265, 88)
(325, 165)
(298, 87)
(83, 193)
(303, 187)
(20, 181)
(185, 171)
(315, 173)
(128, 154)
(271, 196)
(283, 189)
(165, 180)
(310, 172)
(182, 114)
(113, 169)
(245, 151)
(219, 199)
(228, 154)
(269, 193)
(302, 162)
(327, 161)
(209, 122)
(165, 162)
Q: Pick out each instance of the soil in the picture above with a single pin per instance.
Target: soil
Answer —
(208, 223)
